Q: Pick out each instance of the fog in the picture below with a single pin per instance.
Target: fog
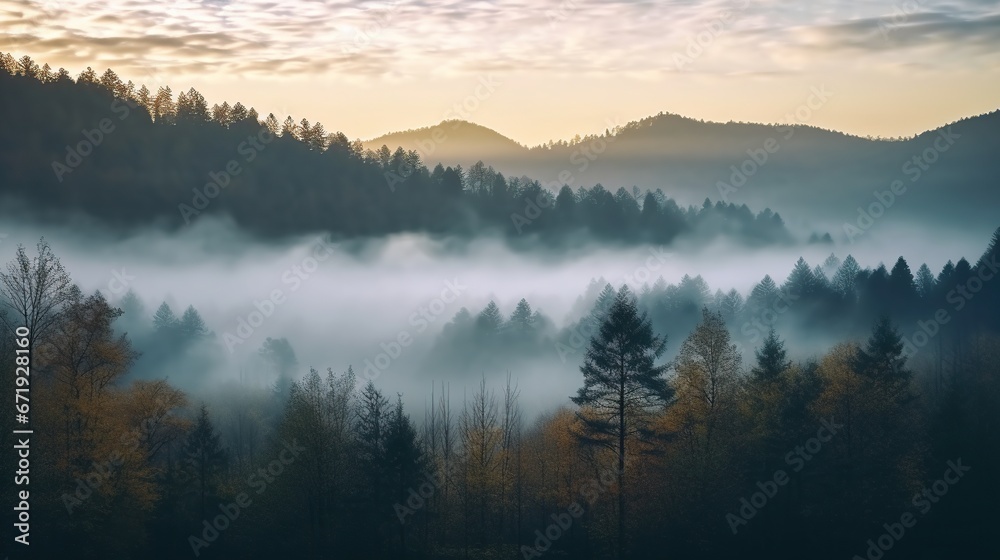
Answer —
(356, 302)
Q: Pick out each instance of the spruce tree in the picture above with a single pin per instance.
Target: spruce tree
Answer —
(205, 459)
(621, 383)
(771, 359)
(192, 327)
(881, 360)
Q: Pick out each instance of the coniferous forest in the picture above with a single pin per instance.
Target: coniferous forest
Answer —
(236, 335)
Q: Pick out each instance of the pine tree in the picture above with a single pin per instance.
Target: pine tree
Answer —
(373, 416)
(164, 320)
(271, 122)
(925, 281)
(521, 319)
(731, 305)
(205, 459)
(946, 275)
(901, 283)
(222, 114)
(131, 306)
(289, 129)
(622, 383)
(403, 460)
(144, 98)
(239, 114)
(605, 300)
(771, 359)
(801, 282)
(882, 359)
(763, 295)
(489, 321)
(831, 264)
(88, 76)
(164, 108)
(192, 327)
(845, 281)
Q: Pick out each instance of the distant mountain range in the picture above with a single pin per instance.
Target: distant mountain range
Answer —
(948, 174)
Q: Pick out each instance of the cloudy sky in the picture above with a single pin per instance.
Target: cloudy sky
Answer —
(536, 70)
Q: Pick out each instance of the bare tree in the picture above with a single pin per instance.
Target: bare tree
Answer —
(34, 292)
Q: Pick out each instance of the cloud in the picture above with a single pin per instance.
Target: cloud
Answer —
(579, 37)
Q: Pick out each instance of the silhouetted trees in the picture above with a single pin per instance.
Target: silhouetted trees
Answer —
(158, 145)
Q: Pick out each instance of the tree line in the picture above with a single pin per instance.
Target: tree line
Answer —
(671, 446)
(129, 156)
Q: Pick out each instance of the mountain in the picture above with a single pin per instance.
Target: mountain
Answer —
(798, 170)
(454, 142)
(99, 150)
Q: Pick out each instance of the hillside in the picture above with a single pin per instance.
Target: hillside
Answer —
(821, 174)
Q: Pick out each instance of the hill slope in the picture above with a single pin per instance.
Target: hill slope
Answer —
(822, 175)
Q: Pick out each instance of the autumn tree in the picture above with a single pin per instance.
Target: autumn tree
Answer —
(704, 415)
(481, 438)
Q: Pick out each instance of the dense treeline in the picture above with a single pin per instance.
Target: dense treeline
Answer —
(673, 446)
(834, 300)
(129, 157)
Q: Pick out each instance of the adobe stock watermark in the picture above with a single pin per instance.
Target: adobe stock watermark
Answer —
(101, 472)
(561, 13)
(585, 154)
(703, 39)
(588, 327)
(230, 512)
(420, 320)
(766, 318)
(249, 149)
(363, 37)
(900, 15)
(958, 297)
(590, 491)
(460, 111)
(797, 459)
(92, 139)
(923, 501)
(418, 497)
(759, 156)
(292, 277)
(913, 168)
(119, 282)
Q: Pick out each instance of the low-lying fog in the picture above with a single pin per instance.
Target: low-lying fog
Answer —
(357, 300)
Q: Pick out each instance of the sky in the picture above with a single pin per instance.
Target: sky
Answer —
(538, 70)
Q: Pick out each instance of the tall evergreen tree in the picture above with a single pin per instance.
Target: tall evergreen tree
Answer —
(191, 325)
(164, 321)
(521, 319)
(925, 281)
(902, 286)
(205, 459)
(801, 282)
(882, 358)
(763, 295)
(489, 321)
(621, 383)
(404, 463)
(771, 358)
(845, 281)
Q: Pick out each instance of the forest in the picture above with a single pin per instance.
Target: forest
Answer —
(841, 408)
(127, 157)
(681, 440)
